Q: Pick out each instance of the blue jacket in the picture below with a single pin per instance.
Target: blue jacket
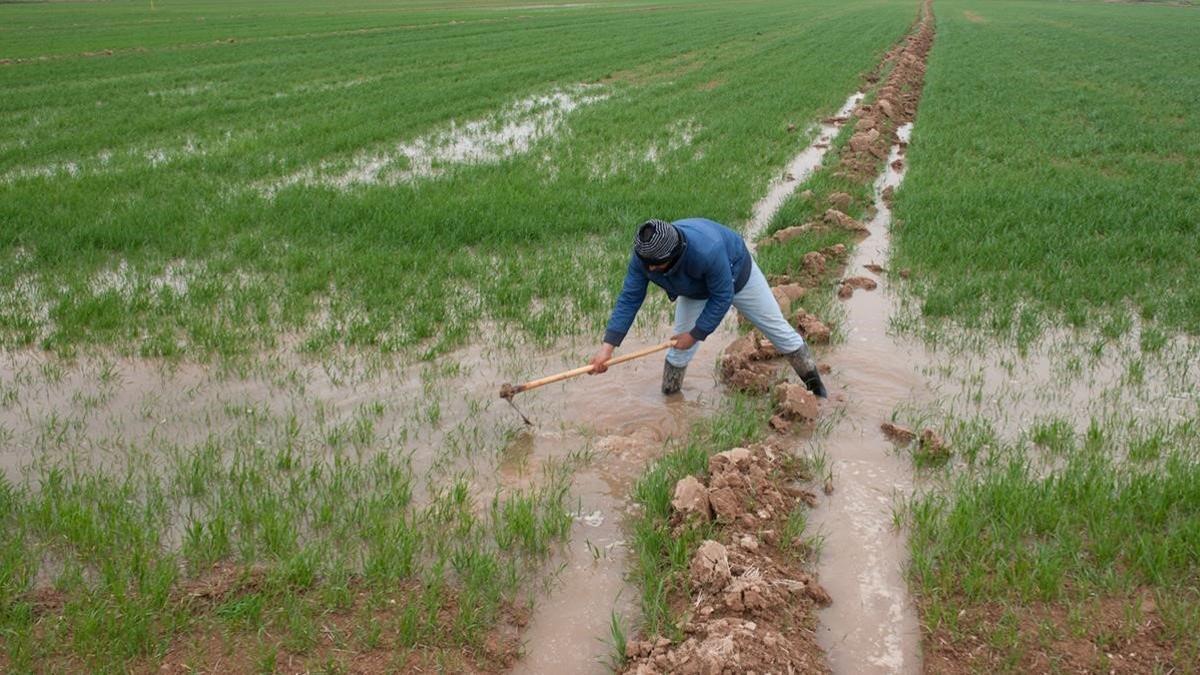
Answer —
(715, 264)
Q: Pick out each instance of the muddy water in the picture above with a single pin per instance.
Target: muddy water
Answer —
(100, 413)
(872, 625)
(626, 420)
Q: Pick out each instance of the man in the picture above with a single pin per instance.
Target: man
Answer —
(705, 268)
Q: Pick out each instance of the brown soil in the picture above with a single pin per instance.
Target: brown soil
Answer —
(897, 434)
(749, 603)
(811, 328)
(887, 195)
(850, 284)
(836, 218)
(1103, 635)
(749, 363)
(794, 403)
(840, 201)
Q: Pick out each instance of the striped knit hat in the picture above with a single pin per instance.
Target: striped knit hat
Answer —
(656, 242)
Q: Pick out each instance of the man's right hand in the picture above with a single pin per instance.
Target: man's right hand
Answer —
(602, 356)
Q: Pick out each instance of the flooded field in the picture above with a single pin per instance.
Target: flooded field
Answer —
(251, 361)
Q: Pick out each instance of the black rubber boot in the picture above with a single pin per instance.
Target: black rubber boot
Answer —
(806, 367)
(672, 380)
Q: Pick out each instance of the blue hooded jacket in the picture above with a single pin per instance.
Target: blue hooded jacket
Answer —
(715, 264)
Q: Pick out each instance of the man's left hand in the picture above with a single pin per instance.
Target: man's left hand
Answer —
(684, 341)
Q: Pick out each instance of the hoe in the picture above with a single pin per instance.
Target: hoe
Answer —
(508, 391)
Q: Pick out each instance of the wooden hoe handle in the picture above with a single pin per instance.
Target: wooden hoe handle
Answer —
(508, 390)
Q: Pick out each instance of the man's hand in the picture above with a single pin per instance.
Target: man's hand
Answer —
(602, 356)
(684, 341)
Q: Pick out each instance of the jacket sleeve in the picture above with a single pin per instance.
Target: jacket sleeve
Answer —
(633, 293)
(719, 278)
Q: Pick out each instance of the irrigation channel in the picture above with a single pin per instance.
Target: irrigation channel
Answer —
(872, 625)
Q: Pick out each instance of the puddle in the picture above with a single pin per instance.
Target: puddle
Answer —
(132, 158)
(872, 626)
(488, 140)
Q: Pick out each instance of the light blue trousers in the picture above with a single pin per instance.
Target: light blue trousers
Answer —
(755, 302)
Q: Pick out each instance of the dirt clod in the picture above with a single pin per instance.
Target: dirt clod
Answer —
(787, 294)
(887, 195)
(897, 434)
(850, 284)
(840, 200)
(812, 329)
(787, 234)
(725, 504)
(814, 263)
(837, 251)
(745, 363)
(710, 566)
(691, 498)
(836, 218)
(818, 594)
(795, 403)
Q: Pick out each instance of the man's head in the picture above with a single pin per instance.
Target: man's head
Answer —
(658, 244)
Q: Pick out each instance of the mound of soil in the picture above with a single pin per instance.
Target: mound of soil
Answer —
(895, 104)
(746, 363)
(787, 234)
(750, 603)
